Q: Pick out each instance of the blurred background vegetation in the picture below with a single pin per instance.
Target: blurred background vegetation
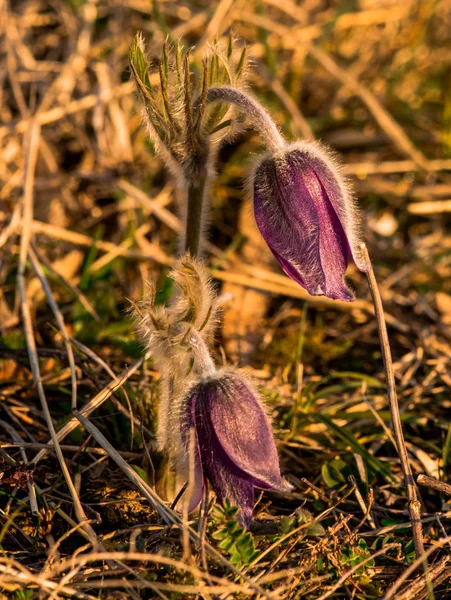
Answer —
(370, 78)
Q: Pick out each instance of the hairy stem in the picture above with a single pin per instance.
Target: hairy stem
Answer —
(202, 354)
(254, 111)
(414, 505)
(194, 211)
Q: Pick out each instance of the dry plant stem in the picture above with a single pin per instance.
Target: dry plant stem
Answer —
(433, 483)
(27, 217)
(414, 505)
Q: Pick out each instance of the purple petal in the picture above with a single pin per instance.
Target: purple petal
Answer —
(338, 194)
(298, 221)
(241, 428)
(193, 476)
(227, 481)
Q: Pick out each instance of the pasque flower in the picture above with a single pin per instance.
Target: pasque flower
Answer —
(224, 425)
(307, 217)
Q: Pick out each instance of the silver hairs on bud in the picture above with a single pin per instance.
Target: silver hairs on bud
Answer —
(176, 336)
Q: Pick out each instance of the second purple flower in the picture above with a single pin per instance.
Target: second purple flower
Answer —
(232, 442)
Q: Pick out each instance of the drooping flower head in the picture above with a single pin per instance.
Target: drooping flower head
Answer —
(307, 216)
(224, 425)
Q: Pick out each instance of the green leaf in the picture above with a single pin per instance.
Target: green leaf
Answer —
(222, 125)
(141, 473)
(232, 537)
(346, 436)
(328, 476)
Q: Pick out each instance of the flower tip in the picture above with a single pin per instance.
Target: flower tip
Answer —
(345, 295)
(285, 486)
(245, 516)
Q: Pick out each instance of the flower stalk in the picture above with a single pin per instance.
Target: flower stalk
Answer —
(260, 120)
(195, 208)
(414, 506)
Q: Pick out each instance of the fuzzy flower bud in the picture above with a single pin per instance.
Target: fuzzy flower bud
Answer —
(176, 335)
(307, 217)
(233, 443)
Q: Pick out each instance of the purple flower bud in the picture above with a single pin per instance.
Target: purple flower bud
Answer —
(308, 219)
(234, 444)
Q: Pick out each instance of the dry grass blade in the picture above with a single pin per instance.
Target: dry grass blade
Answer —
(418, 589)
(128, 412)
(92, 405)
(394, 166)
(145, 489)
(430, 208)
(31, 154)
(152, 250)
(153, 205)
(392, 592)
(59, 319)
(69, 448)
(218, 23)
(76, 291)
(261, 279)
(353, 570)
(73, 107)
(12, 573)
(394, 131)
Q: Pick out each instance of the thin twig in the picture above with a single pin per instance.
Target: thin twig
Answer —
(69, 448)
(433, 483)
